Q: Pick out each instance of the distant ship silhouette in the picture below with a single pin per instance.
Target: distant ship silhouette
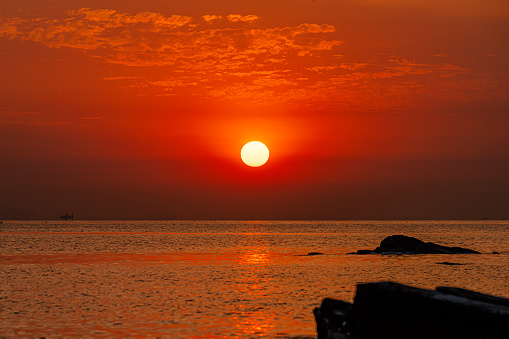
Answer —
(67, 216)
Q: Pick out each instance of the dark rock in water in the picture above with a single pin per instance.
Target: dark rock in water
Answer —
(363, 252)
(449, 263)
(336, 315)
(472, 295)
(401, 244)
(391, 310)
(310, 253)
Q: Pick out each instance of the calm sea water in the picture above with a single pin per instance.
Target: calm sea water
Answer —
(218, 279)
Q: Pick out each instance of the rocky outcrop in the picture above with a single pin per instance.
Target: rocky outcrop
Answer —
(391, 310)
(401, 244)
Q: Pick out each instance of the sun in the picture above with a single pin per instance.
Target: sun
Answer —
(254, 154)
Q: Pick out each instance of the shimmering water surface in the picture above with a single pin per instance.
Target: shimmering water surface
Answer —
(218, 279)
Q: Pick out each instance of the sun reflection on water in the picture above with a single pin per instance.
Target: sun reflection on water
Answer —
(256, 258)
(250, 319)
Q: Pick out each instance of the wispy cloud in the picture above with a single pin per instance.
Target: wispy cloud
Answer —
(242, 18)
(120, 78)
(148, 39)
(232, 57)
(10, 116)
(211, 18)
(94, 118)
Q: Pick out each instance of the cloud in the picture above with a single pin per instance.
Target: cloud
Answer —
(94, 30)
(108, 18)
(10, 116)
(120, 78)
(148, 39)
(234, 59)
(94, 118)
(242, 18)
(211, 18)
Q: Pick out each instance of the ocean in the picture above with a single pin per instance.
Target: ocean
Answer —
(219, 279)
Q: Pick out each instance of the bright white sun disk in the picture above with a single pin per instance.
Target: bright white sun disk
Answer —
(254, 154)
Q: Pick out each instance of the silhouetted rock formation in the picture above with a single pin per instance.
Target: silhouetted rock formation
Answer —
(391, 310)
(449, 263)
(401, 244)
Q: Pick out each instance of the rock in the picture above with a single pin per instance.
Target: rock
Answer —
(472, 295)
(363, 252)
(310, 254)
(449, 263)
(401, 244)
(332, 318)
(391, 310)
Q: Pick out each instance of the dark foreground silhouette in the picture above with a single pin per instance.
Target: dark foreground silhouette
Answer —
(401, 244)
(391, 310)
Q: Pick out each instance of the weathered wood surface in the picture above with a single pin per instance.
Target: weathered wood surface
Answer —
(391, 310)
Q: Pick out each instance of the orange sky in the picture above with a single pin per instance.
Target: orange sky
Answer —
(370, 109)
